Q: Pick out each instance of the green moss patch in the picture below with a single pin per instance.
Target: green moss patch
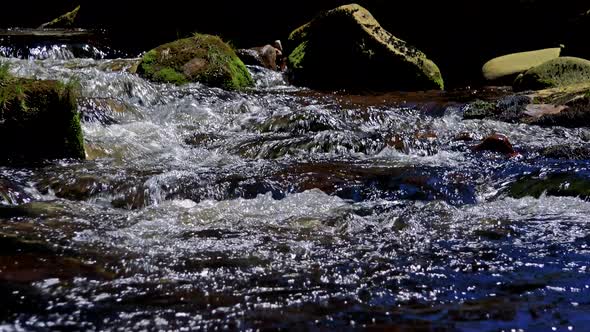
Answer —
(201, 58)
(558, 72)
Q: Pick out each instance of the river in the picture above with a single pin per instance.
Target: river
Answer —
(285, 208)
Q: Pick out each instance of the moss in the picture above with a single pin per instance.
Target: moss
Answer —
(4, 71)
(562, 95)
(437, 78)
(299, 34)
(200, 58)
(558, 72)
(67, 20)
(296, 37)
(297, 56)
(240, 75)
(39, 121)
(169, 75)
(479, 109)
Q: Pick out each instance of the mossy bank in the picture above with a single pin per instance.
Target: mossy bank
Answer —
(38, 120)
(200, 58)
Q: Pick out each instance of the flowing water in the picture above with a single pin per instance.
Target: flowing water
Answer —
(280, 207)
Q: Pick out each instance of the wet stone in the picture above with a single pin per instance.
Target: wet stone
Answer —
(496, 143)
(33, 209)
(570, 152)
(12, 193)
(558, 184)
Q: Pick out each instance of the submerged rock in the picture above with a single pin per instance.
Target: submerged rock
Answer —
(508, 66)
(496, 143)
(571, 152)
(67, 20)
(347, 48)
(561, 184)
(554, 73)
(201, 58)
(36, 209)
(12, 193)
(38, 120)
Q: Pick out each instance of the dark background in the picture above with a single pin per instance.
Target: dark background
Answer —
(456, 34)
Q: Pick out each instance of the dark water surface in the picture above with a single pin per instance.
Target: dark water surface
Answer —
(281, 207)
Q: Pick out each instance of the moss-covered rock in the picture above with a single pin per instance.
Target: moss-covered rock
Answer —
(38, 120)
(67, 20)
(509, 66)
(511, 108)
(562, 184)
(554, 73)
(201, 58)
(347, 48)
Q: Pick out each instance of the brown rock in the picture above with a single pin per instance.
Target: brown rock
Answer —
(496, 143)
(267, 56)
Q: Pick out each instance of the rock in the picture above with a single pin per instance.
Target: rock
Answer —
(571, 152)
(76, 188)
(479, 109)
(38, 120)
(536, 111)
(107, 111)
(567, 106)
(265, 56)
(496, 143)
(554, 73)
(347, 48)
(250, 56)
(507, 67)
(570, 95)
(41, 209)
(12, 193)
(27, 259)
(120, 65)
(510, 108)
(67, 20)
(201, 58)
(560, 184)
